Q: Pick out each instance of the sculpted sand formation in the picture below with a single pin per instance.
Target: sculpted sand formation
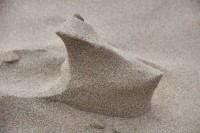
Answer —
(37, 96)
(102, 78)
(94, 77)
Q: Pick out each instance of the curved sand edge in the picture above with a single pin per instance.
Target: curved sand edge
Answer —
(166, 32)
(164, 110)
(28, 73)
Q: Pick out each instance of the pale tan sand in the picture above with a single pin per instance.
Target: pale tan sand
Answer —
(100, 78)
(163, 32)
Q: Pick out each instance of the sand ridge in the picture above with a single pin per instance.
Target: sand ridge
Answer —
(94, 77)
(163, 32)
(102, 79)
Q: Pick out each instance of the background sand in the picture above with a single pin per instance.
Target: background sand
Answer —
(165, 32)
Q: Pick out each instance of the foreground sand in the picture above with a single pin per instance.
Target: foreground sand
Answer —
(163, 32)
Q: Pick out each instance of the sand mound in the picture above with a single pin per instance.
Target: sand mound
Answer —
(163, 32)
(95, 77)
(28, 73)
(104, 79)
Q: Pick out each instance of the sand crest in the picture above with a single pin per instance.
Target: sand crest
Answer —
(162, 34)
(102, 78)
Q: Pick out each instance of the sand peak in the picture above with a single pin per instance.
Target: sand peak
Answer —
(102, 79)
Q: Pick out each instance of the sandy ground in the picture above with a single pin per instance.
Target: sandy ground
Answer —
(165, 32)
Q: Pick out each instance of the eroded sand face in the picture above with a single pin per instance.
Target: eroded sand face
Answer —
(95, 77)
(164, 32)
(103, 79)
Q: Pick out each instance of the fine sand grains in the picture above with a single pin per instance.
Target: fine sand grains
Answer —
(165, 33)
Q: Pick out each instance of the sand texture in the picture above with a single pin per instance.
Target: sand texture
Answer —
(103, 79)
(162, 35)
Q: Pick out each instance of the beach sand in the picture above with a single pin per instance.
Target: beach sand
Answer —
(164, 32)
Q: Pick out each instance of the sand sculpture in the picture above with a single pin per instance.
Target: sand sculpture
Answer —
(100, 78)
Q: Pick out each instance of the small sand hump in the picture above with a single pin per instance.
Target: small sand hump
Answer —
(103, 79)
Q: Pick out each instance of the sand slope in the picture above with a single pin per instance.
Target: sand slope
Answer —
(163, 32)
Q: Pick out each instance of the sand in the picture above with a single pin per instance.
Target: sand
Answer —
(165, 33)
(100, 78)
